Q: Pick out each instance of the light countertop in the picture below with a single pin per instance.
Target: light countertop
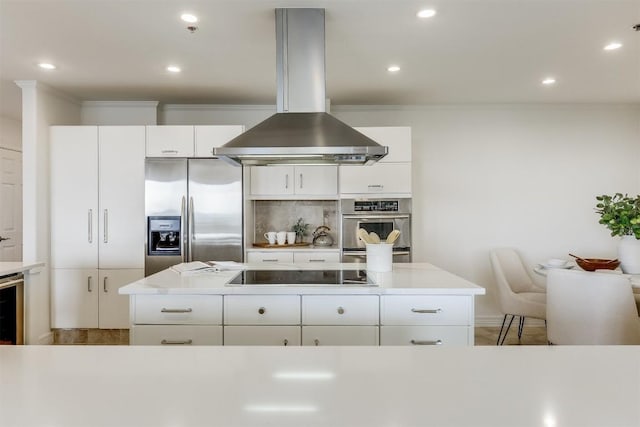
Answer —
(285, 248)
(395, 386)
(7, 268)
(410, 278)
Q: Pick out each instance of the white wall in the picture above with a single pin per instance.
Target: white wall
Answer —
(495, 175)
(41, 108)
(119, 113)
(10, 133)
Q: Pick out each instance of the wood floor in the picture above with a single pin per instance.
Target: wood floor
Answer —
(532, 335)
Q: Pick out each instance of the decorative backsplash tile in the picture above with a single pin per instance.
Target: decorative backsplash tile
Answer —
(280, 215)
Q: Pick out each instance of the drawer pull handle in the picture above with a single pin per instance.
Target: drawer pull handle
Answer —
(176, 342)
(269, 260)
(176, 310)
(169, 151)
(428, 311)
(418, 342)
(316, 260)
(340, 310)
(262, 310)
(316, 342)
(285, 342)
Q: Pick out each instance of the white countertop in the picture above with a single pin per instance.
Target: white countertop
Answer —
(7, 268)
(294, 249)
(413, 278)
(142, 386)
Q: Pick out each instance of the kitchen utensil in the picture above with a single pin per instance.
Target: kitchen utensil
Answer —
(374, 237)
(364, 236)
(393, 236)
(321, 237)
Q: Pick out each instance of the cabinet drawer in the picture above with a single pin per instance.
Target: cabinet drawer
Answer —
(262, 310)
(425, 310)
(340, 335)
(340, 310)
(178, 309)
(273, 256)
(424, 335)
(301, 257)
(175, 335)
(262, 335)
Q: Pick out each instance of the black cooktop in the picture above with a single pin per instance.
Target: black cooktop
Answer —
(302, 277)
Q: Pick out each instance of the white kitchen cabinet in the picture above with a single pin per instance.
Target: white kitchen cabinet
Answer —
(316, 256)
(270, 256)
(340, 310)
(425, 335)
(88, 298)
(262, 310)
(262, 335)
(170, 141)
(178, 310)
(209, 137)
(97, 222)
(390, 176)
(340, 335)
(299, 181)
(175, 335)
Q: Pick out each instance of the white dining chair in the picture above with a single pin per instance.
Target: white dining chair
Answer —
(518, 295)
(590, 308)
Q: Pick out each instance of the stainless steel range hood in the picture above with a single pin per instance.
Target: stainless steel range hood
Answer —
(301, 132)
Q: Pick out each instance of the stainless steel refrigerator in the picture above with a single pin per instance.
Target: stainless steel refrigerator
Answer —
(194, 212)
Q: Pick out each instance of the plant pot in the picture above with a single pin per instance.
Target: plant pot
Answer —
(629, 255)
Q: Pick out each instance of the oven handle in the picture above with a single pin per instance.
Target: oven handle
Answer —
(364, 253)
(394, 216)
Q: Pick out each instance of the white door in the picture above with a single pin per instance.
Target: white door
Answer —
(170, 141)
(10, 205)
(316, 180)
(74, 298)
(121, 216)
(272, 180)
(74, 197)
(113, 308)
(208, 137)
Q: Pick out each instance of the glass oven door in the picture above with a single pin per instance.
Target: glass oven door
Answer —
(382, 225)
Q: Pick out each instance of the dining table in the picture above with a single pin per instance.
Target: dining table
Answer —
(542, 270)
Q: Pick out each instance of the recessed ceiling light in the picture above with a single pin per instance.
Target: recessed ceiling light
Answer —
(46, 66)
(173, 69)
(393, 69)
(549, 81)
(187, 17)
(426, 13)
(613, 46)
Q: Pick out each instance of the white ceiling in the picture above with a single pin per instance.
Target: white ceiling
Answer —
(472, 51)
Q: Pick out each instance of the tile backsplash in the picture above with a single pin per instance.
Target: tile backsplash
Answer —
(281, 215)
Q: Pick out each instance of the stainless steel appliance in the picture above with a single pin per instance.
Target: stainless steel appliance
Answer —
(12, 309)
(380, 216)
(194, 212)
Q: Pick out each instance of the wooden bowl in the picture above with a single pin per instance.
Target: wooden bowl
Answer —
(593, 264)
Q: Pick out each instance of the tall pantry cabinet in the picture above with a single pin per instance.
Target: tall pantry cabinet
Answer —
(97, 223)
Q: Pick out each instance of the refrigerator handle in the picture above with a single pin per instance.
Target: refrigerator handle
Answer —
(191, 231)
(182, 236)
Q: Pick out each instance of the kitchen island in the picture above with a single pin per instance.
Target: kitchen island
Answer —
(415, 304)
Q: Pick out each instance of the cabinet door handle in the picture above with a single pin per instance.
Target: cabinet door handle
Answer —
(169, 151)
(285, 342)
(340, 310)
(418, 342)
(316, 342)
(89, 287)
(316, 260)
(104, 284)
(301, 181)
(375, 186)
(427, 311)
(106, 225)
(191, 226)
(176, 342)
(270, 260)
(183, 207)
(286, 181)
(176, 310)
(262, 310)
(90, 226)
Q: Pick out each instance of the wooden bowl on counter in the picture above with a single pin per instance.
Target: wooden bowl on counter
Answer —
(593, 264)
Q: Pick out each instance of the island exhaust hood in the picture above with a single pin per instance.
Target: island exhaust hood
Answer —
(301, 132)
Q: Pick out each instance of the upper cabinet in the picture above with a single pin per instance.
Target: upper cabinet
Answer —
(306, 182)
(391, 176)
(188, 141)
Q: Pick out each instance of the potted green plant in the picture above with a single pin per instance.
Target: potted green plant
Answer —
(301, 229)
(620, 213)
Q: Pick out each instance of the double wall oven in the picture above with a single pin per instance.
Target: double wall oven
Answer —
(380, 216)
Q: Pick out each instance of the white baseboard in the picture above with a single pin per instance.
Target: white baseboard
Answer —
(496, 321)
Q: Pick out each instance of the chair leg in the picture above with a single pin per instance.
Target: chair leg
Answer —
(520, 327)
(504, 319)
